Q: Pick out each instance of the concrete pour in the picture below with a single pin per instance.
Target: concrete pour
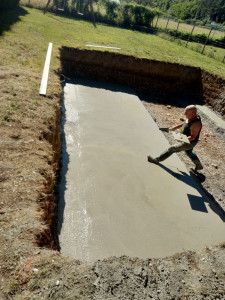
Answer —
(112, 202)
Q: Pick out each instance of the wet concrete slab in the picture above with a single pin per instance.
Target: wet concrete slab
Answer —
(112, 202)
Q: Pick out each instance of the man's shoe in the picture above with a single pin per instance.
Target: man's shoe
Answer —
(153, 160)
(198, 167)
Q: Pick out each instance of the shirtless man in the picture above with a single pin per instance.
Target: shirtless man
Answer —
(191, 128)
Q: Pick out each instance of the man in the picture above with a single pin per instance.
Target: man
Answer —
(191, 128)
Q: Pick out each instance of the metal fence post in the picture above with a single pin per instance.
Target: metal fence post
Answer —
(206, 41)
(167, 22)
(177, 29)
(190, 35)
(157, 21)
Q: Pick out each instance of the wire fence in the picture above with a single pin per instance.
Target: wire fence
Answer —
(208, 40)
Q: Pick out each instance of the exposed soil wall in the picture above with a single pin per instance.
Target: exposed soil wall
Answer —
(214, 92)
(165, 81)
(145, 76)
(48, 235)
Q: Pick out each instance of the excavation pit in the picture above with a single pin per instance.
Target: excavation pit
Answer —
(112, 202)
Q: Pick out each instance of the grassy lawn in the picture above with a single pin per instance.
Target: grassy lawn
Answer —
(26, 42)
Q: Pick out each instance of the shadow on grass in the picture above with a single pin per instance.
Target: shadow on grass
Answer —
(8, 18)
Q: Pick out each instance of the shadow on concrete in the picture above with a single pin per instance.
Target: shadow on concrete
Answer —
(61, 183)
(8, 18)
(197, 203)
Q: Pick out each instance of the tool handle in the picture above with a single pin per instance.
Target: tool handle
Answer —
(164, 129)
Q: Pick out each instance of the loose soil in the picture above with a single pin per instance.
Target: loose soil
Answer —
(31, 267)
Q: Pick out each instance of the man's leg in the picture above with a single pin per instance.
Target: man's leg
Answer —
(172, 149)
(195, 159)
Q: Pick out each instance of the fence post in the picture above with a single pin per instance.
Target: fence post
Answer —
(190, 35)
(167, 22)
(157, 21)
(92, 12)
(177, 29)
(206, 41)
(46, 7)
(223, 59)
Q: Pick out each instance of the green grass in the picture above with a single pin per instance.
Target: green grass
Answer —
(26, 42)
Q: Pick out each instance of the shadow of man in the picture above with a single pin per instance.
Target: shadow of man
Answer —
(197, 202)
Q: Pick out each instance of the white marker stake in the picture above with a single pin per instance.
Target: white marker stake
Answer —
(44, 81)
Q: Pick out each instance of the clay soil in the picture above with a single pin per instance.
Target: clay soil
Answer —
(31, 267)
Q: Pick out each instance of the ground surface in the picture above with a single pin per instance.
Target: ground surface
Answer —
(30, 145)
(30, 272)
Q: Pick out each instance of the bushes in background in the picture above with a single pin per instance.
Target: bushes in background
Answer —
(137, 15)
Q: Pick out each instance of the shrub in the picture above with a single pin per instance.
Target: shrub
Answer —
(111, 7)
(138, 15)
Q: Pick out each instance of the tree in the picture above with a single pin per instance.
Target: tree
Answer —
(8, 4)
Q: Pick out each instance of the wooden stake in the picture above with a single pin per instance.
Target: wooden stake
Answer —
(44, 81)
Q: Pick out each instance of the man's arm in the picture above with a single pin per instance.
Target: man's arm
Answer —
(176, 127)
(195, 128)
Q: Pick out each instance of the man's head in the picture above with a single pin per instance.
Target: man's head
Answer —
(190, 111)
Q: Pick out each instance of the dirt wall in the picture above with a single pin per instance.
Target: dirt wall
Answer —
(162, 80)
(214, 92)
(145, 76)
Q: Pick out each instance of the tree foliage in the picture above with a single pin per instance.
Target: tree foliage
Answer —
(8, 4)
(209, 10)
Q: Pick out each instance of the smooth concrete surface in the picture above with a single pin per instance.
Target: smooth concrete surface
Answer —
(112, 201)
